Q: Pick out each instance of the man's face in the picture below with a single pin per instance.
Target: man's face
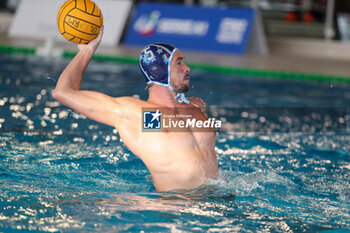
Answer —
(179, 73)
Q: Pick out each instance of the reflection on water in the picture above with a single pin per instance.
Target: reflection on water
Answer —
(264, 183)
(60, 172)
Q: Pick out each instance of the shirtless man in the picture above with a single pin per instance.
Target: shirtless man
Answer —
(176, 160)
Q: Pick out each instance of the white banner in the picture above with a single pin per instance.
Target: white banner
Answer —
(37, 19)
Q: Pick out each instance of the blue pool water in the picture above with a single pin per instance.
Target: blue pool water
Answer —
(61, 172)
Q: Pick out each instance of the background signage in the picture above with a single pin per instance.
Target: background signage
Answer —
(210, 29)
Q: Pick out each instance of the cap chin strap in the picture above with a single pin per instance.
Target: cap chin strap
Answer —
(180, 97)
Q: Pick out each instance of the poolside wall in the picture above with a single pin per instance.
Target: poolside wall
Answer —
(286, 54)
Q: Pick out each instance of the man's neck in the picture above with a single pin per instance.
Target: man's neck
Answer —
(162, 96)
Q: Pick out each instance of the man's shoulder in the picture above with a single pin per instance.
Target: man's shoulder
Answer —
(130, 100)
(129, 106)
(198, 102)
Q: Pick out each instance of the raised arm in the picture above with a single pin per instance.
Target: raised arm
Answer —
(95, 105)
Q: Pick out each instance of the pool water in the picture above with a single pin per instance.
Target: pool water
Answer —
(61, 172)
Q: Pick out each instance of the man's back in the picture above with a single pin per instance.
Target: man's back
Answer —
(176, 160)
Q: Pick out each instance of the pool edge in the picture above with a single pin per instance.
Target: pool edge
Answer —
(252, 72)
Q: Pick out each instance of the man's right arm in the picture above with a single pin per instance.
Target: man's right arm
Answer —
(95, 105)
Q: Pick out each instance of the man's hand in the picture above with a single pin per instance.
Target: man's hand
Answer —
(92, 45)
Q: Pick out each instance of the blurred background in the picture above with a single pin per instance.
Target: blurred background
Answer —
(293, 18)
(315, 30)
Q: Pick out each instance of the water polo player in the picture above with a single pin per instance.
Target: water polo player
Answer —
(176, 160)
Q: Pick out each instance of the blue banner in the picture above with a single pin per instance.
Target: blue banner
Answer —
(208, 29)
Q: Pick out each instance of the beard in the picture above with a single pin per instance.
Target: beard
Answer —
(182, 88)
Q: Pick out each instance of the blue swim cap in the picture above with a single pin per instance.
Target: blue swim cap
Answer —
(155, 60)
(155, 63)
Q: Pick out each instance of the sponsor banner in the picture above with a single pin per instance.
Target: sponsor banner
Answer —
(209, 29)
(247, 119)
(36, 19)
